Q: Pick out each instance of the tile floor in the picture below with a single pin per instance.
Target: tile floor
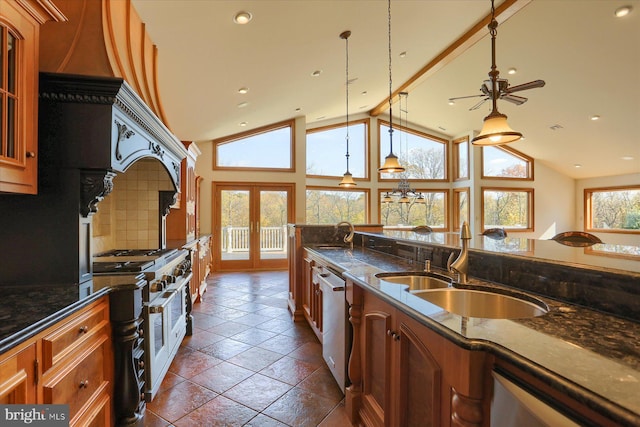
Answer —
(248, 363)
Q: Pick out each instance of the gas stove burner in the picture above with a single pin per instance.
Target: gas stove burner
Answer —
(134, 252)
(121, 267)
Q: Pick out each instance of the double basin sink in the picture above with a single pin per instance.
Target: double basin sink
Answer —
(438, 289)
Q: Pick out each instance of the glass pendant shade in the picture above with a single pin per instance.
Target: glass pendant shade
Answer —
(391, 165)
(496, 131)
(347, 180)
(386, 198)
(404, 199)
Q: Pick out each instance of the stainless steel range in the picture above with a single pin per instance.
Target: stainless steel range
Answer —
(165, 297)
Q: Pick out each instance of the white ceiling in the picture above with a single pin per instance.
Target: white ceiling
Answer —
(589, 59)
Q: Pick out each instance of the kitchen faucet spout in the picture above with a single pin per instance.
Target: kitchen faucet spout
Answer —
(461, 264)
(348, 238)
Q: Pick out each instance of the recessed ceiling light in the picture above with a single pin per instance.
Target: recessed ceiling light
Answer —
(627, 157)
(243, 104)
(403, 54)
(512, 70)
(316, 73)
(243, 90)
(452, 102)
(242, 18)
(555, 127)
(577, 165)
(623, 11)
(594, 117)
(298, 109)
(363, 107)
(364, 92)
(243, 124)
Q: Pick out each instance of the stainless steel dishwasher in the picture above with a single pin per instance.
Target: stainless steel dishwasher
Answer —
(335, 327)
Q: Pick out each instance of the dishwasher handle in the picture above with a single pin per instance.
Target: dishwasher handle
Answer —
(325, 282)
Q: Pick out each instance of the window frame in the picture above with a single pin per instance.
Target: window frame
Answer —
(456, 159)
(291, 124)
(528, 160)
(367, 148)
(366, 191)
(456, 206)
(530, 211)
(588, 209)
(446, 214)
(382, 154)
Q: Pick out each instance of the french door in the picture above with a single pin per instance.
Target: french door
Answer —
(250, 223)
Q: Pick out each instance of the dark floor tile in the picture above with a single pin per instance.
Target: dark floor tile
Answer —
(188, 362)
(253, 336)
(300, 408)
(206, 321)
(170, 380)
(257, 392)
(225, 349)
(261, 420)
(255, 358)
(323, 383)
(221, 412)
(310, 352)
(283, 344)
(289, 370)
(337, 417)
(276, 312)
(201, 339)
(180, 400)
(251, 319)
(276, 325)
(153, 420)
(229, 329)
(222, 377)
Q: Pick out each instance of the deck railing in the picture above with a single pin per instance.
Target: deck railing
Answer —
(236, 239)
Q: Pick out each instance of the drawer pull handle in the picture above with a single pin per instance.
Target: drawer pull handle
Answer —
(30, 154)
(84, 384)
(83, 329)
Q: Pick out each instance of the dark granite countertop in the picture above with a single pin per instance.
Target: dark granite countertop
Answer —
(27, 310)
(589, 355)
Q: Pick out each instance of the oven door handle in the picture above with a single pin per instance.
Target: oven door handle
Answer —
(153, 309)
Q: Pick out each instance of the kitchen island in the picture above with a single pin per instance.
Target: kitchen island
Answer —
(590, 357)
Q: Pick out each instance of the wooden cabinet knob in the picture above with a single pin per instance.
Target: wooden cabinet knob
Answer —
(84, 384)
(31, 154)
(83, 329)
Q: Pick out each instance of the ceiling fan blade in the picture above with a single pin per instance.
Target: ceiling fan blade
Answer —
(475, 107)
(465, 97)
(518, 100)
(531, 85)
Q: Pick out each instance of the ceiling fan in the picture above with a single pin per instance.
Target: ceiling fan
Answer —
(504, 92)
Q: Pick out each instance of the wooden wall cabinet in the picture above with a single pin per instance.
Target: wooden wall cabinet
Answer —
(404, 374)
(68, 363)
(20, 23)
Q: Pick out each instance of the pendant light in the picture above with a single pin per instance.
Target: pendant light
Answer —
(347, 178)
(495, 130)
(391, 163)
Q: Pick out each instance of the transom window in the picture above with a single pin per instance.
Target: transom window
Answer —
(327, 147)
(270, 147)
(433, 212)
(424, 156)
(508, 208)
(330, 206)
(506, 163)
(615, 209)
(9, 98)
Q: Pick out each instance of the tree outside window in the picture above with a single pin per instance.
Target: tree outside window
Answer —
(507, 208)
(326, 206)
(433, 212)
(613, 209)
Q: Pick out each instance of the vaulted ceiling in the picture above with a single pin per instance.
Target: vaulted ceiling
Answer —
(589, 59)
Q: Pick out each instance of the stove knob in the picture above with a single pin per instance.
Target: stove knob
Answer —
(169, 278)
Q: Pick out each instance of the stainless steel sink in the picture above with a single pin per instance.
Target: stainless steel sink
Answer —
(330, 247)
(488, 305)
(416, 281)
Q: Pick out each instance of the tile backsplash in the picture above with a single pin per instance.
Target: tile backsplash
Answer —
(129, 217)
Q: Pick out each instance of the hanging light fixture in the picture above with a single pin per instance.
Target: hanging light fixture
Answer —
(391, 163)
(347, 178)
(495, 130)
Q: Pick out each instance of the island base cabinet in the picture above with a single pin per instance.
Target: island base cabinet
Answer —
(17, 376)
(404, 374)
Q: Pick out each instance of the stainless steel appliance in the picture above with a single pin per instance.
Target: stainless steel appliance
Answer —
(335, 332)
(165, 299)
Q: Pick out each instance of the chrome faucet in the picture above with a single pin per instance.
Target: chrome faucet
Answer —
(348, 238)
(461, 264)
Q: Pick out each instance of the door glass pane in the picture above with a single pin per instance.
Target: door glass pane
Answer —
(273, 224)
(11, 63)
(11, 128)
(234, 220)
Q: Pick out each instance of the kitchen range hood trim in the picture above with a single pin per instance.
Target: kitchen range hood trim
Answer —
(136, 132)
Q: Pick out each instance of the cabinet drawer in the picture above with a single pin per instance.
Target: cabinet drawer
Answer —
(71, 334)
(97, 414)
(80, 379)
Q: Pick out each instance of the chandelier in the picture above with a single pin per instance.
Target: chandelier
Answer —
(403, 193)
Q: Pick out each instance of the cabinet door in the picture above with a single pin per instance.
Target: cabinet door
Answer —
(307, 287)
(418, 384)
(376, 341)
(17, 377)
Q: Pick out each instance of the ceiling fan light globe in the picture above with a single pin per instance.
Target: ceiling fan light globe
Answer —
(496, 131)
